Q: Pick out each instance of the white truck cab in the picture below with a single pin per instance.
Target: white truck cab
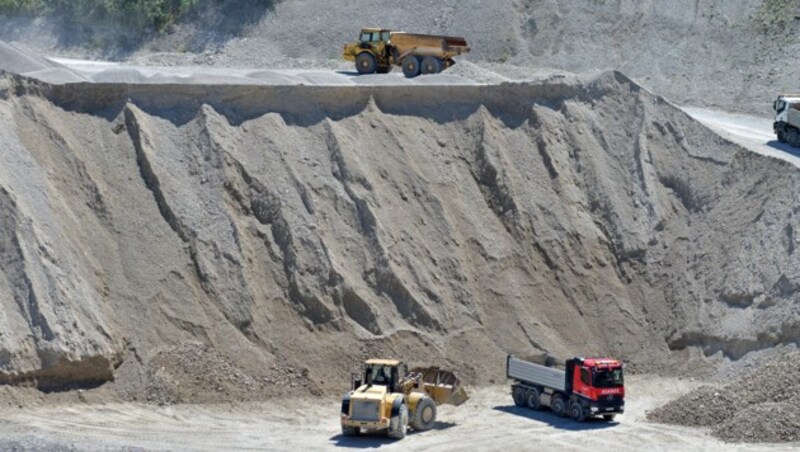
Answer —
(787, 119)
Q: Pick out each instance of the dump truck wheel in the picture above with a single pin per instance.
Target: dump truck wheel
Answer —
(424, 415)
(793, 137)
(398, 424)
(532, 399)
(350, 431)
(608, 417)
(558, 406)
(519, 396)
(384, 69)
(576, 412)
(365, 63)
(431, 65)
(781, 135)
(411, 66)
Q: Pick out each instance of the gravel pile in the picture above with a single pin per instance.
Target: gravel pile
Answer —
(766, 422)
(759, 407)
(704, 407)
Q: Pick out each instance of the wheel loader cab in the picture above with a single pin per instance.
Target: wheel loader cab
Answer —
(387, 373)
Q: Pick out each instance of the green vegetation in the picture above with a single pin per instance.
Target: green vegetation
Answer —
(135, 14)
(774, 16)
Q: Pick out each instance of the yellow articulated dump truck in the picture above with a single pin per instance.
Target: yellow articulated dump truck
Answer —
(378, 50)
(388, 397)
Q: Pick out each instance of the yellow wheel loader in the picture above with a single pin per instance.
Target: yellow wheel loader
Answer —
(386, 396)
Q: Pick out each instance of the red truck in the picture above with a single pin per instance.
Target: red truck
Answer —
(586, 388)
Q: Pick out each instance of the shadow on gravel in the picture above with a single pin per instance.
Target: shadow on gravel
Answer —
(374, 440)
(554, 421)
(784, 147)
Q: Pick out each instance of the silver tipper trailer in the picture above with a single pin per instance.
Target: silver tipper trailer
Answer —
(536, 374)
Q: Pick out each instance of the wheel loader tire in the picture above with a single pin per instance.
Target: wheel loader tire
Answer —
(411, 66)
(431, 65)
(365, 63)
(350, 431)
(558, 406)
(576, 412)
(399, 423)
(424, 415)
(532, 399)
(608, 417)
(519, 396)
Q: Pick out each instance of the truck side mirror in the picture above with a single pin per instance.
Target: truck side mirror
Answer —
(356, 381)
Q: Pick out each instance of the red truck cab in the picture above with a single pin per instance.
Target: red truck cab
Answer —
(597, 383)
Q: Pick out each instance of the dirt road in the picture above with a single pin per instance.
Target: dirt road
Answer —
(488, 421)
(752, 132)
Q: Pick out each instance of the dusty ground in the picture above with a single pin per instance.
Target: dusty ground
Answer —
(488, 421)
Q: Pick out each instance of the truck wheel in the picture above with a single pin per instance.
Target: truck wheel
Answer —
(398, 424)
(424, 415)
(519, 396)
(411, 66)
(431, 65)
(558, 406)
(608, 417)
(533, 399)
(781, 135)
(384, 69)
(365, 63)
(350, 431)
(576, 412)
(793, 137)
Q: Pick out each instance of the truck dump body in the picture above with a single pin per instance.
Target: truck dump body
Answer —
(536, 374)
(443, 47)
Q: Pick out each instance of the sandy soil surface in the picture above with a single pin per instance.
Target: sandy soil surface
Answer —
(488, 421)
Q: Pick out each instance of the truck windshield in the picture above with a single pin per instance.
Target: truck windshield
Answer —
(608, 378)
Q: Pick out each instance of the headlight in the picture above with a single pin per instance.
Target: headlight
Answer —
(594, 409)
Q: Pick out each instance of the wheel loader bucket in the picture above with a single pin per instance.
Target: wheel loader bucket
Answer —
(443, 386)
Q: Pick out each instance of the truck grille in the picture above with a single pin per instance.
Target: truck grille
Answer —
(365, 411)
(610, 401)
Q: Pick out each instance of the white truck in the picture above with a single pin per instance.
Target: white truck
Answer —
(787, 119)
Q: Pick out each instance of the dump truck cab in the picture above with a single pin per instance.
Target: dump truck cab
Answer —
(787, 119)
(373, 43)
(598, 384)
(386, 396)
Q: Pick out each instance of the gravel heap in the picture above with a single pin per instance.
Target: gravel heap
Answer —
(759, 407)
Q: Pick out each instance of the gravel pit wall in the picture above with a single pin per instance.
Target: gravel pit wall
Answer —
(294, 230)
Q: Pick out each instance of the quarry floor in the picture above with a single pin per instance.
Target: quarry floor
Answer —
(488, 421)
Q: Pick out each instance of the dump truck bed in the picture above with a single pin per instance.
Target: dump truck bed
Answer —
(535, 374)
(794, 115)
(429, 45)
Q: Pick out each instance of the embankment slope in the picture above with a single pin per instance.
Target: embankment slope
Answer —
(206, 243)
